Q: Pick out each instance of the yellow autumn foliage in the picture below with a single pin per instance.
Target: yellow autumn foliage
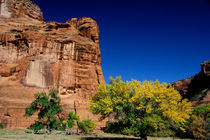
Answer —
(152, 104)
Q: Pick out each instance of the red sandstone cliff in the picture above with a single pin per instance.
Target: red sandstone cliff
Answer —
(20, 8)
(36, 56)
(196, 88)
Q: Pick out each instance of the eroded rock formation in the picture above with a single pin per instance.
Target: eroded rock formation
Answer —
(196, 88)
(20, 8)
(36, 56)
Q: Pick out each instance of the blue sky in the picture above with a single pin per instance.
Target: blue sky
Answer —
(144, 39)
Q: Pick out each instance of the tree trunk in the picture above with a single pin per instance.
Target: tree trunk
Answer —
(143, 137)
(49, 129)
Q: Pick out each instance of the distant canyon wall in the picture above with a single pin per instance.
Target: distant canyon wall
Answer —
(196, 88)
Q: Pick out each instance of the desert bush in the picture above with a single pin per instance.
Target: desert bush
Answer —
(86, 126)
(141, 108)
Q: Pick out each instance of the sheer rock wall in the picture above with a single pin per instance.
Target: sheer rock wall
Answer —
(36, 56)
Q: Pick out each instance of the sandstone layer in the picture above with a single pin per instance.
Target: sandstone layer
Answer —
(196, 88)
(36, 56)
(20, 8)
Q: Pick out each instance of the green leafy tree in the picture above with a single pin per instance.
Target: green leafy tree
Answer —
(140, 108)
(86, 126)
(48, 108)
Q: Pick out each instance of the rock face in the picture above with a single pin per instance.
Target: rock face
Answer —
(36, 56)
(196, 88)
(20, 8)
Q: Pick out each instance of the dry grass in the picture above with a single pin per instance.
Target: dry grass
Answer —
(22, 135)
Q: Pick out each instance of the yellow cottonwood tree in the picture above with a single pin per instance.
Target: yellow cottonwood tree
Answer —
(141, 108)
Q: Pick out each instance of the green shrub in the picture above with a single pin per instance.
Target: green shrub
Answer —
(72, 119)
(203, 111)
(37, 126)
(86, 126)
(1, 125)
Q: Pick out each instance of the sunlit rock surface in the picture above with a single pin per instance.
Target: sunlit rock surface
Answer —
(36, 56)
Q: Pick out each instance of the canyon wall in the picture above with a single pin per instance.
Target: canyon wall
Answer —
(36, 56)
(20, 8)
(196, 88)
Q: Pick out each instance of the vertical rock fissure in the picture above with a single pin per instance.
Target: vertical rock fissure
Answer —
(59, 66)
(61, 51)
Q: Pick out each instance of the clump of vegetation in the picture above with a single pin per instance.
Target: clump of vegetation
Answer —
(49, 114)
(72, 118)
(86, 126)
(197, 127)
(1, 125)
(199, 123)
(141, 108)
(48, 108)
(204, 111)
